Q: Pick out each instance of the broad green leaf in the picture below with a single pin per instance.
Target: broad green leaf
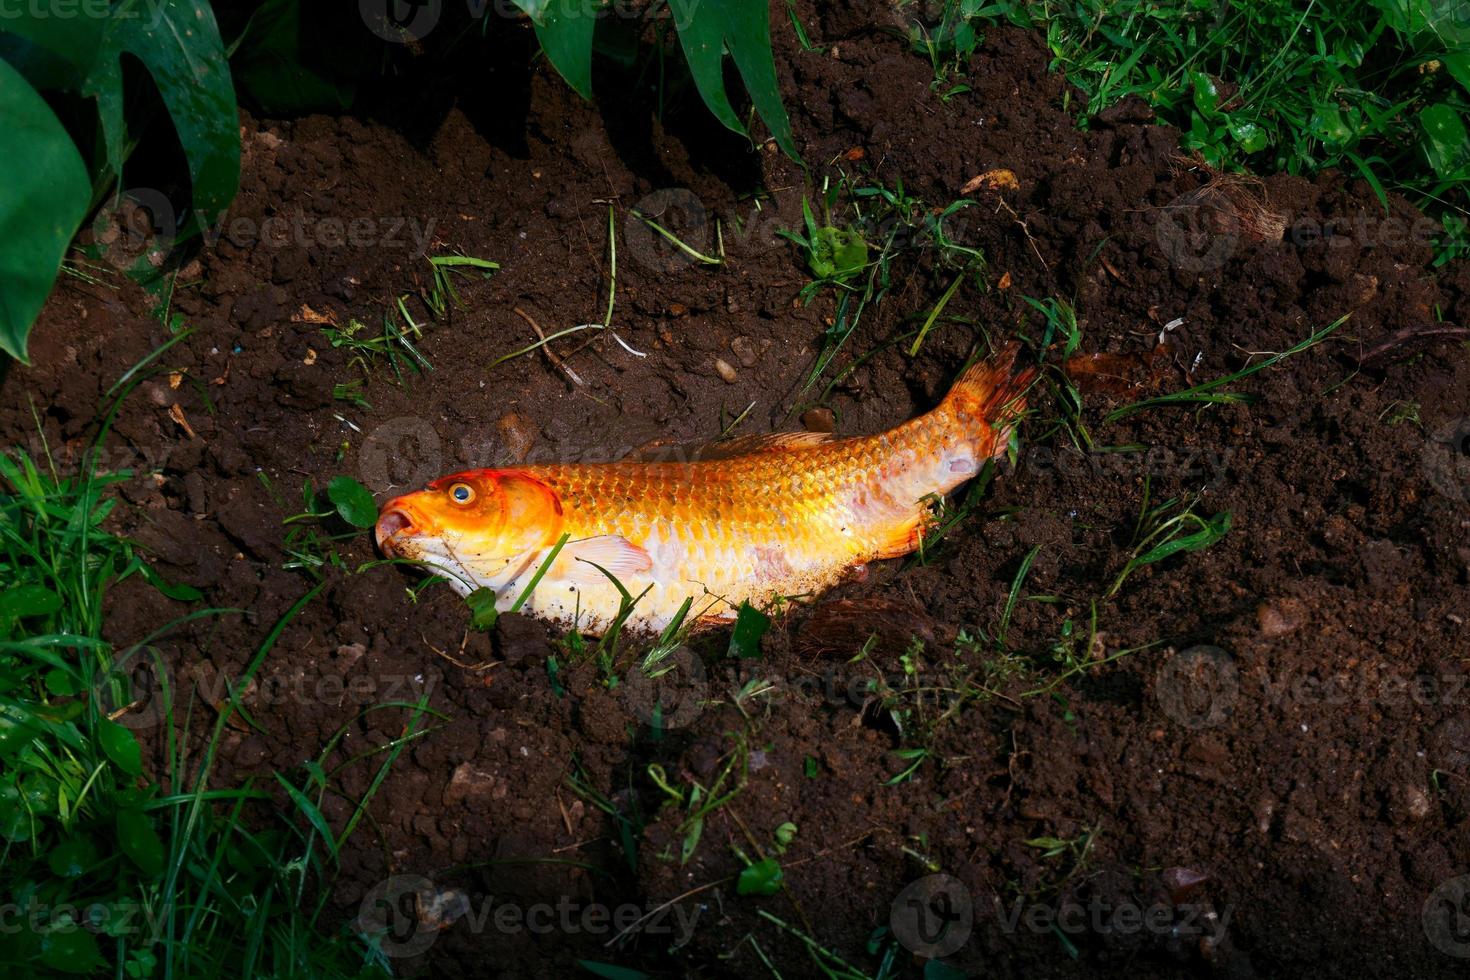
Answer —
(750, 625)
(62, 683)
(18, 726)
(1206, 96)
(268, 64)
(139, 841)
(761, 878)
(178, 42)
(482, 609)
(1458, 65)
(28, 600)
(71, 858)
(15, 818)
(565, 31)
(1330, 126)
(611, 971)
(1251, 137)
(121, 746)
(707, 29)
(353, 502)
(837, 253)
(71, 948)
(1446, 142)
(43, 199)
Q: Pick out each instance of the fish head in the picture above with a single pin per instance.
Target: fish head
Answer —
(479, 528)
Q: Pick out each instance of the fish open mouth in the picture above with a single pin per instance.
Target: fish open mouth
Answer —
(391, 523)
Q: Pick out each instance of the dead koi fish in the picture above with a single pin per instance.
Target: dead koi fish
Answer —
(752, 519)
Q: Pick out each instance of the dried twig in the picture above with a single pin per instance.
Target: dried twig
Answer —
(1408, 335)
(556, 362)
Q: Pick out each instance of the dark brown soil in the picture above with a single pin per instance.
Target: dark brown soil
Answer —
(1285, 800)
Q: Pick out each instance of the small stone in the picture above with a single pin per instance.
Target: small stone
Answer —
(677, 309)
(818, 420)
(440, 908)
(1183, 883)
(468, 783)
(745, 349)
(517, 434)
(1280, 617)
(349, 654)
(1264, 811)
(724, 370)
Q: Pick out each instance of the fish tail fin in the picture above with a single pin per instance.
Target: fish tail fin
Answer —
(988, 398)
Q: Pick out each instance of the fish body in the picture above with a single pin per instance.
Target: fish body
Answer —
(764, 517)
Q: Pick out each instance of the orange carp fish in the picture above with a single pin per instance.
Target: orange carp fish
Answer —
(749, 520)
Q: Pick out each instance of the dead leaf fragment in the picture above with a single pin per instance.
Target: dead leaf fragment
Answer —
(176, 412)
(999, 179)
(307, 315)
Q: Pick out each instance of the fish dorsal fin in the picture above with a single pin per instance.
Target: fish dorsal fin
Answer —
(729, 448)
(580, 561)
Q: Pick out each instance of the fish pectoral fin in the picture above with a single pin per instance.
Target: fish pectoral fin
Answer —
(582, 562)
(903, 539)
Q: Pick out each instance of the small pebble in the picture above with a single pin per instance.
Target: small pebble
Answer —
(724, 370)
(517, 434)
(1280, 617)
(818, 420)
(745, 349)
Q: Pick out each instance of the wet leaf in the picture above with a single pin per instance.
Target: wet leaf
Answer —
(18, 726)
(42, 202)
(709, 28)
(28, 600)
(1446, 141)
(750, 625)
(761, 878)
(72, 858)
(565, 31)
(61, 683)
(837, 253)
(1251, 137)
(1206, 95)
(139, 841)
(482, 609)
(121, 746)
(353, 502)
(15, 820)
(611, 971)
(71, 949)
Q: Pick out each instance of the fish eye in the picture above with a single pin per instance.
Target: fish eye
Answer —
(461, 493)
